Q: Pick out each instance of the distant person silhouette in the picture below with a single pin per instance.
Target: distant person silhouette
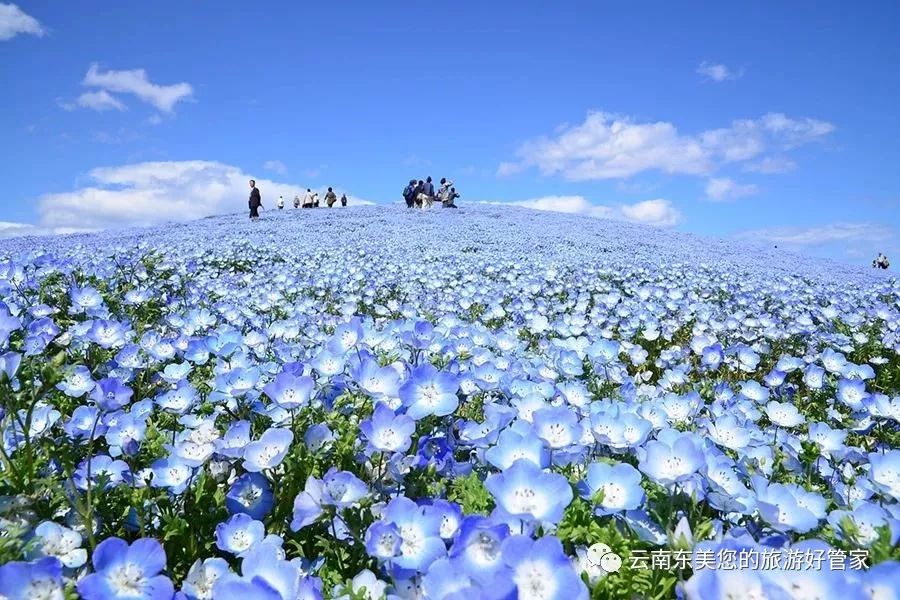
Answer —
(343, 199)
(881, 262)
(280, 202)
(255, 200)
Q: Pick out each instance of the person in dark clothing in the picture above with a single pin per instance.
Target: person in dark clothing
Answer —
(409, 193)
(450, 199)
(343, 199)
(255, 200)
(428, 190)
(419, 194)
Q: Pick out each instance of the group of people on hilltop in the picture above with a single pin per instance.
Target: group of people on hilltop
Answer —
(880, 262)
(421, 194)
(310, 200)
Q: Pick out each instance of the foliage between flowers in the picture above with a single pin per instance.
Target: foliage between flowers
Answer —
(373, 403)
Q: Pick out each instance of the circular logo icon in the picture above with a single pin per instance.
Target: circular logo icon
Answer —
(602, 556)
(611, 562)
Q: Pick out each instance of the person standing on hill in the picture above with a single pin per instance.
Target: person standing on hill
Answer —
(409, 193)
(308, 199)
(428, 190)
(330, 198)
(296, 201)
(444, 191)
(419, 194)
(255, 200)
(343, 199)
(280, 202)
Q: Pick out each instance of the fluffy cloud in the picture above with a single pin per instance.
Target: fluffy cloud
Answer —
(608, 146)
(156, 192)
(658, 212)
(822, 234)
(99, 101)
(723, 188)
(13, 21)
(717, 72)
(136, 82)
(14, 229)
(276, 166)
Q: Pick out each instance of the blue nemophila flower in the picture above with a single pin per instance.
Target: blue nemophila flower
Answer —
(420, 531)
(235, 440)
(239, 533)
(199, 582)
(671, 458)
(252, 494)
(126, 434)
(788, 507)
(541, 569)
(864, 522)
(443, 581)
(179, 400)
(107, 333)
(617, 486)
(430, 392)
(127, 572)
(383, 540)
(290, 391)
(852, 392)
(342, 489)
(86, 299)
(77, 383)
(618, 429)
(172, 473)
(83, 421)
(378, 381)
(512, 446)
(268, 451)
(783, 414)
(386, 431)
(100, 468)
(38, 580)
(265, 575)
(59, 542)
(317, 436)
(557, 425)
(884, 472)
(111, 393)
(524, 490)
(476, 551)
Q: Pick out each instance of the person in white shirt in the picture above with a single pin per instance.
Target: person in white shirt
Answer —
(280, 202)
(309, 199)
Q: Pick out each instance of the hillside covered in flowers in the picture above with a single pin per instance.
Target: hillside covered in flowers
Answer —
(375, 402)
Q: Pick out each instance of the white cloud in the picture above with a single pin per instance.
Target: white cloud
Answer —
(14, 229)
(276, 166)
(13, 21)
(717, 72)
(608, 146)
(723, 188)
(135, 81)
(99, 101)
(771, 165)
(149, 193)
(821, 234)
(657, 212)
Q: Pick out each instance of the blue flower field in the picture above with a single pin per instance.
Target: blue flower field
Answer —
(489, 403)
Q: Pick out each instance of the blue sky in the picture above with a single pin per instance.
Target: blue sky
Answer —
(760, 120)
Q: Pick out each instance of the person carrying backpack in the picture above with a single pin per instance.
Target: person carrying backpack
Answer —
(409, 193)
(330, 198)
(308, 199)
